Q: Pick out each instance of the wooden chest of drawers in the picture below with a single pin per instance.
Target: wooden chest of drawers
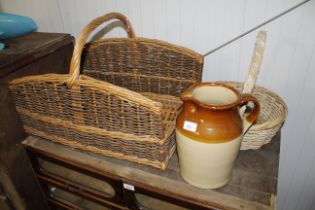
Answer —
(74, 179)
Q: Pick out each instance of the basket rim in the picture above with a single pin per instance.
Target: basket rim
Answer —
(269, 123)
(160, 43)
(99, 85)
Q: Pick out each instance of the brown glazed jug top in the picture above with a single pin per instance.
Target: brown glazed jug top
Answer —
(210, 113)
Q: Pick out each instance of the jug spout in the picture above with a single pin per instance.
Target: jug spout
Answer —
(187, 94)
(190, 106)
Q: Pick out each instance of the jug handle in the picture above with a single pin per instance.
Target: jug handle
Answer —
(251, 117)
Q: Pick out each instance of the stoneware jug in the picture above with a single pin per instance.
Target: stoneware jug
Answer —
(209, 132)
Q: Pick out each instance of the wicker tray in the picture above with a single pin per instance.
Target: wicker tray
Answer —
(124, 104)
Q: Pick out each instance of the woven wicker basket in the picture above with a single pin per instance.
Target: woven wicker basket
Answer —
(272, 114)
(273, 109)
(124, 104)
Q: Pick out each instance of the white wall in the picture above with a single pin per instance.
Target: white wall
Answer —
(288, 66)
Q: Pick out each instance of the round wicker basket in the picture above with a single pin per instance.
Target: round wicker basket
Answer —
(273, 109)
(272, 115)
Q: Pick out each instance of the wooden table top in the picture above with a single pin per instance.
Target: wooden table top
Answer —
(23, 50)
(253, 184)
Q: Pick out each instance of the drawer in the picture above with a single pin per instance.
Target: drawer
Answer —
(139, 198)
(77, 179)
(93, 184)
(147, 202)
(62, 199)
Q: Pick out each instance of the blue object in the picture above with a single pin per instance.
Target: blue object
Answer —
(1, 44)
(12, 26)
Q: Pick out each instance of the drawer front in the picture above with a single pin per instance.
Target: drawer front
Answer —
(94, 185)
(62, 199)
(139, 198)
(147, 202)
(77, 179)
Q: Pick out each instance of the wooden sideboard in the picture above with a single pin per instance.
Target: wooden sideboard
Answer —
(75, 179)
(32, 54)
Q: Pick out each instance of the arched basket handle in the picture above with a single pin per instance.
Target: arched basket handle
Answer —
(255, 64)
(76, 56)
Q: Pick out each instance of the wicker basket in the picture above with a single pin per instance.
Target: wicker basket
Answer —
(124, 104)
(273, 109)
(272, 114)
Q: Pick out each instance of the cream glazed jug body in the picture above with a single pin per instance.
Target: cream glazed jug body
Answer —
(209, 132)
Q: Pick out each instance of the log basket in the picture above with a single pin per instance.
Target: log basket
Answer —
(123, 104)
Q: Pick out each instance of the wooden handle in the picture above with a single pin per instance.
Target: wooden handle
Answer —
(256, 62)
(76, 56)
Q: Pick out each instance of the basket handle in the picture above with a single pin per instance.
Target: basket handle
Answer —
(76, 56)
(256, 62)
(249, 119)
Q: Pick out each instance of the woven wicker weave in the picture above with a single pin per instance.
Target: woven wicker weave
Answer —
(124, 105)
(273, 109)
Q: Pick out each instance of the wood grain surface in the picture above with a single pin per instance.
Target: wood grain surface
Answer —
(253, 183)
